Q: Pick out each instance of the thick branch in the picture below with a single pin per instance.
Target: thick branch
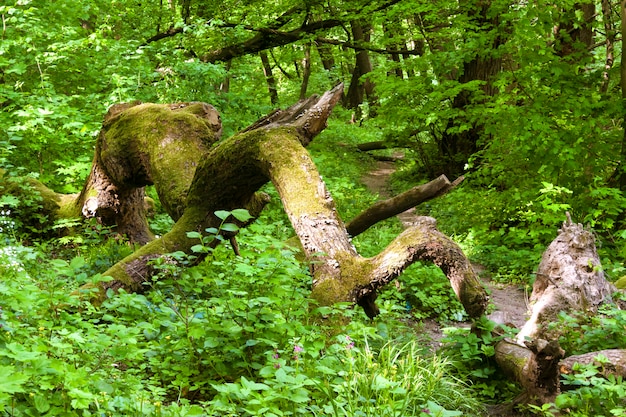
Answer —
(373, 146)
(384, 209)
(367, 47)
(424, 242)
(267, 38)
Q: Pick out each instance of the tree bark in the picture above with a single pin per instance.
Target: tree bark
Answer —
(569, 278)
(269, 78)
(610, 36)
(273, 149)
(400, 203)
(306, 71)
(615, 364)
(146, 144)
(360, 88)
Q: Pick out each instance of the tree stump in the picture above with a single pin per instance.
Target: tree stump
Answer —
(569, 278)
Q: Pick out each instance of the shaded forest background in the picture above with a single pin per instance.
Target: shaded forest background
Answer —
(523, 99)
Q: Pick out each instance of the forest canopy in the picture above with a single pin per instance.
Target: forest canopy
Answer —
(522, 101)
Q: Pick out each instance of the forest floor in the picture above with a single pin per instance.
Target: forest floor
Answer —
(508, 303)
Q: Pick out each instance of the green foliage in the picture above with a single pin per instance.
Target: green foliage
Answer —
(472, 352)
(22, 208)
(237, 336)
(589, 389)
(590, 333)
(588, 393)
(423, 291)
(230, 336)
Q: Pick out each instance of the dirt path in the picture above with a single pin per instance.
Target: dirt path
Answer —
(510, 302)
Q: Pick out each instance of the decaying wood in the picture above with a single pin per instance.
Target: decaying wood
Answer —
(173, 148)
(613, 362)
(145, 144)
(534, 367)
(569, 278)
(273, 149)
(400, 203)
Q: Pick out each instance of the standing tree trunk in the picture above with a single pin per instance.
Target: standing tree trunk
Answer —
(224, 87)
(326, 55)
(359, 87)
(306, 71)
(269, 77)
(620, 171)
(458, 144)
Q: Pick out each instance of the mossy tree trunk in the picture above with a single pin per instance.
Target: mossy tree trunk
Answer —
(173, 147)
(273, 149)
(146, 144)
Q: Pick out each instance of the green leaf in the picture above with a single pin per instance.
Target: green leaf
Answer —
(222, 214)
(11, 381)
(198, 248)
(41, 404)
(241, 214)
(230, 227)
(77, 262)
(194, 235)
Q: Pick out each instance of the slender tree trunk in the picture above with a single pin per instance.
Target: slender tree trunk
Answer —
(618, 178)
(389, 30)
(306, 71)
(185, 10)
(610, 35)
(225, 85)
(269, 77)
(326, 55)
(360, 88)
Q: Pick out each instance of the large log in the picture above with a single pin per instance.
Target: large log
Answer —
(273, 149)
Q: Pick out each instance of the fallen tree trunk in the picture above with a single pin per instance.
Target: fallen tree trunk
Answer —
(569, 279)
(400, 203)
(613, 362)
(273, 149)
(172, 147)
